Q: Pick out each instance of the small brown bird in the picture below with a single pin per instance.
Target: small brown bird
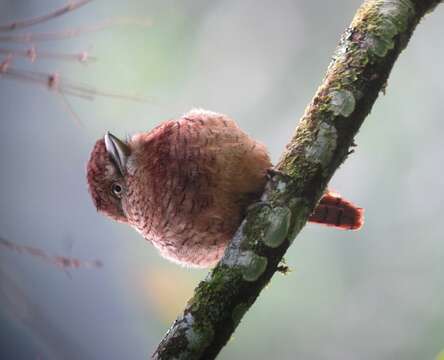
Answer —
(186, 184)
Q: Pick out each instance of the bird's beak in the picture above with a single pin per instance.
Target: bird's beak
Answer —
(118, 151)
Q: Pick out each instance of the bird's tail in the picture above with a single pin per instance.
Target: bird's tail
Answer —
(334, 211)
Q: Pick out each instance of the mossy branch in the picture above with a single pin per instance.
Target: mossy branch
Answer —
(359, 70)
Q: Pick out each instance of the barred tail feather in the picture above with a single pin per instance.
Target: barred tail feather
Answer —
(334, 211)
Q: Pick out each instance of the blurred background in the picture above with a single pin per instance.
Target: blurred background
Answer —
(373, 294)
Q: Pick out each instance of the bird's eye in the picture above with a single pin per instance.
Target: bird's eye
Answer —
(117, 189)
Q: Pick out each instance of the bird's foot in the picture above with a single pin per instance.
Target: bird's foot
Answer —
(272, 172)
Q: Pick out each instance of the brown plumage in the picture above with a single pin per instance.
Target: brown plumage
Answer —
(185, 185)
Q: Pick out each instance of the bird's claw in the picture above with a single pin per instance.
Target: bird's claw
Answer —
(271, 172)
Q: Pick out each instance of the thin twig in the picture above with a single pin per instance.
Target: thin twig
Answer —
(32, 54)
(35, 37)
(21, 24)
(61, 262)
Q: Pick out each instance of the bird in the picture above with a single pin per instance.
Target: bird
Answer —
(186, 184)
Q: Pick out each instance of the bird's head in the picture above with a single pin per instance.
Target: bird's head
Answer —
(106, 175)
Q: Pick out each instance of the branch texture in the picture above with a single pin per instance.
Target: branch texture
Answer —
(359, 70)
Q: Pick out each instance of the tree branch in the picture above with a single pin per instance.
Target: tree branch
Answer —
(361, 65)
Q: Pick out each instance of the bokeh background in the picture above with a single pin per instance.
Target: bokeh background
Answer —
(373, 294)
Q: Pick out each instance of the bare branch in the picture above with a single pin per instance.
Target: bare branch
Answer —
(53, 81)
(32, 54)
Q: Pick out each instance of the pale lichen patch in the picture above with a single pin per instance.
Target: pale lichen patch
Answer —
(342, 102)
(321, 150)
(198, 338)
(281, 186)
(379, 46)
(253, 266)
(389, 28)
(278, 225)
(250, 264)
(383, 23)
(299, 210)
(399, 11)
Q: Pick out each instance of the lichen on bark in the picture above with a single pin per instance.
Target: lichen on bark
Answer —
(358, 72)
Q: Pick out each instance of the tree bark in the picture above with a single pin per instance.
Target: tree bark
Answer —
(359, 70)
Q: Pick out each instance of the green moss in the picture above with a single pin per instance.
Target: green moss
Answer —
(382, 21)
(299, 167)
(388, 28)
(281, 186)
(378, 46)
(400, 12)
(256, 217)
(209, 293)
(199, 337)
